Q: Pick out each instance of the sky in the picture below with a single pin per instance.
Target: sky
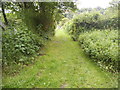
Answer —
(92, 3)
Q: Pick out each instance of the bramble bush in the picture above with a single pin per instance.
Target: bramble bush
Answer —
(102, 46)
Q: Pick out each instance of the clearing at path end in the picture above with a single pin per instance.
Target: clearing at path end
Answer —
(64, 65)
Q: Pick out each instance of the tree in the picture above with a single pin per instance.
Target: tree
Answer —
(3, 12)
(40, 16)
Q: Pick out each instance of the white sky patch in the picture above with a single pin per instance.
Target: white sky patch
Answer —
(93, 3)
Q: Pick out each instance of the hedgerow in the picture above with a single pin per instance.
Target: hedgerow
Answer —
(102, 46)
(90, 21)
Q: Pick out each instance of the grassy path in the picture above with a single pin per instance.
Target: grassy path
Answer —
(64, 65)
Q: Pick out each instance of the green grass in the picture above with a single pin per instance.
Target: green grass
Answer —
(64, 65)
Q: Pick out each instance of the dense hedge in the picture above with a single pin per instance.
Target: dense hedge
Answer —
(88, 21)
(102, 46)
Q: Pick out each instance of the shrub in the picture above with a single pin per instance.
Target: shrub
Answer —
(90, 21)
(102, 46)
(19, 43)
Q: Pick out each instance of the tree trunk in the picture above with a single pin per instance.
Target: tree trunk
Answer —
(4, 15)
(2, 26)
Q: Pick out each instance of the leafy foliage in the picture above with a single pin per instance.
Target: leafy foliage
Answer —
(90, 21)
(45, 14)
(102, 46)
(19, 43)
